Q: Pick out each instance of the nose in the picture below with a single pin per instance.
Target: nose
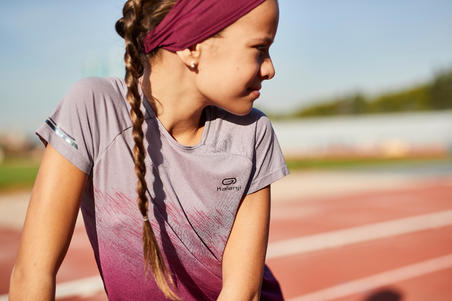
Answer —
(267, 69)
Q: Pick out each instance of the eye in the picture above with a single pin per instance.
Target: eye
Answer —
(262, 50)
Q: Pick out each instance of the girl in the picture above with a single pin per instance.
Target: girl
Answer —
(183, 114)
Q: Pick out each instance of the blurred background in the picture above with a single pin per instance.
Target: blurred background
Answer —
(362, 107)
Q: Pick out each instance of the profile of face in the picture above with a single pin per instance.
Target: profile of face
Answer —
(232, 67)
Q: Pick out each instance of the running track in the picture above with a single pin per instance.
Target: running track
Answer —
(333, 236)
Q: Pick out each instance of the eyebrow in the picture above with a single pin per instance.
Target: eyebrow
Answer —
(266, 40)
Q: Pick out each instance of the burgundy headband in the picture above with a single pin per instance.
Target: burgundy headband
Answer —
(192, 21)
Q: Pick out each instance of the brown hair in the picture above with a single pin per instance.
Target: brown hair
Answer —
(140, 17)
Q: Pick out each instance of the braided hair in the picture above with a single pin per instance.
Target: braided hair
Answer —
(140, 17)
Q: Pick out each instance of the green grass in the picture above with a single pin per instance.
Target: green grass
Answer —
(18, 173)
(352, 163)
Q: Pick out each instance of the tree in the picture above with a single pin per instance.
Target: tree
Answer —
(441, 91)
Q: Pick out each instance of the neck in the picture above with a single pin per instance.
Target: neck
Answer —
(174, 102)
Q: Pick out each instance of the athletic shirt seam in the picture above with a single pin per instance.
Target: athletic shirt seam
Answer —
(107, 148)
(189, 250)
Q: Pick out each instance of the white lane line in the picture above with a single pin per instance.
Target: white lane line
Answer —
(379, 280)
(358, 234)
(92, 285)
(89, 286)
(84, 287)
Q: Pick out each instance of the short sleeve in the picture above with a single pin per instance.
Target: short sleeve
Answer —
(268, 160)
(71, 126)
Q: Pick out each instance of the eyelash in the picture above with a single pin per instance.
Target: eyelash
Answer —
(262, 48)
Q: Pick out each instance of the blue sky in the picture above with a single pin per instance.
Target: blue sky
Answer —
(323, 48)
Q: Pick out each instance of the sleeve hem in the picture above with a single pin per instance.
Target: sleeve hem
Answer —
(268, 179)
(47, 136)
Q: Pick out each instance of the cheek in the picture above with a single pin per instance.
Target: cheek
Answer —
(242, 70)
(219, 75)
(212, 75)
(227, 75)
(249, 65)
(209, 81)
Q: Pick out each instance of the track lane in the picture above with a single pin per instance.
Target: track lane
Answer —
(344, 211)
(431, 286)
(328, 268)
(314, 216)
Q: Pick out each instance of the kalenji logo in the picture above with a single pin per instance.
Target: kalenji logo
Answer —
(227, 182)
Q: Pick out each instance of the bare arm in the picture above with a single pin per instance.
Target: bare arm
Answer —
(48, 227)
(244, 254)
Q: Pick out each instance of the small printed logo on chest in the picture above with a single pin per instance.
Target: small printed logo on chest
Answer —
(228, 184)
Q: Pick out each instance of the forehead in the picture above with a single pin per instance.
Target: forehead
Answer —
(259, 23)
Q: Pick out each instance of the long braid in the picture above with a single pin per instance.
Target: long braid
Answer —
(131, 28)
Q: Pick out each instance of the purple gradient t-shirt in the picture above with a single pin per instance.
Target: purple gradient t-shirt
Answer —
(195, 190)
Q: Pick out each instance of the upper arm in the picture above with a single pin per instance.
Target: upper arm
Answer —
(51, 215)
(244, 253)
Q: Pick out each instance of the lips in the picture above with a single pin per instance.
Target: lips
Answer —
(257, 88)
(254, 91)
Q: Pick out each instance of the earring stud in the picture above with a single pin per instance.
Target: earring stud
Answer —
(193, 65)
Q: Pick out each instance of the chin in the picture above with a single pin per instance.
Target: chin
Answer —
(239, 112)
(244, 113)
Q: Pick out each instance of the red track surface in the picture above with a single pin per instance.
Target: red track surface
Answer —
(310, 272)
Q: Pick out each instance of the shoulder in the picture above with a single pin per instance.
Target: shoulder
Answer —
(98, 104)
(255, 123)
(97, 98)
(92, 88)
(240, 134)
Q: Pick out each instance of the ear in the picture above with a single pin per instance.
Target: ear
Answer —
(190, 56)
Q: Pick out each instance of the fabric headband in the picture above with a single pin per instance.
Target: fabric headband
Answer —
(192, 21)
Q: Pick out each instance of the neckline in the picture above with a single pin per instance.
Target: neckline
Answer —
(168, 136)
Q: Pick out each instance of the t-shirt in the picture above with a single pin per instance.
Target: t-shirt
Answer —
(194, 191)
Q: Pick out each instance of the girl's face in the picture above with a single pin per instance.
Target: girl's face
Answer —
(232, 67)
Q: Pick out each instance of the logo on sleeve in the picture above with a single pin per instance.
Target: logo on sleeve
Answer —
(227, 184)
